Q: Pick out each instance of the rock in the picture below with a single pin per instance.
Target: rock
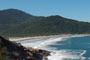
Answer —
(18, 52)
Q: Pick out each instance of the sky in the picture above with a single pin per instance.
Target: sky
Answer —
(73, 9)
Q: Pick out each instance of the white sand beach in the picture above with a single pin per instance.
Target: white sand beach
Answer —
(43, 42)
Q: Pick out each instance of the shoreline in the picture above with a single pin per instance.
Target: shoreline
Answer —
(19, 52)
(49, 36)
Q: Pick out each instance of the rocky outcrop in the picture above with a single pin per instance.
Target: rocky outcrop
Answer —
(16, 51)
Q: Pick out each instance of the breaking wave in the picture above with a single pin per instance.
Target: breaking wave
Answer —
(61, 54)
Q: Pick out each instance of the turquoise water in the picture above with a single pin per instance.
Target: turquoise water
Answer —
(75, 45)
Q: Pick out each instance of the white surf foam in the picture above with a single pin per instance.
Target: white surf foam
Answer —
(48, 42)
(64, 54)
(56, 54)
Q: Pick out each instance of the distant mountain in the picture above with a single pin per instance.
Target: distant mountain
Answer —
(15, 22)
(13, 16)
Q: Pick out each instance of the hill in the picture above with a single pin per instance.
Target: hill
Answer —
(15, 22)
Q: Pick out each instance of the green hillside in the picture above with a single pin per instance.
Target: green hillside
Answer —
(14, 22)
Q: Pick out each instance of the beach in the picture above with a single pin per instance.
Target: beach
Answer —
(60, 46)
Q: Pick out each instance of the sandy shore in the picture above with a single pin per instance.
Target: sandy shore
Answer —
(36, 37)
(50, 36)
(41, 42)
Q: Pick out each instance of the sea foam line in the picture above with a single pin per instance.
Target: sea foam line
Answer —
(83, 53)
(49, 41)
(64, 54)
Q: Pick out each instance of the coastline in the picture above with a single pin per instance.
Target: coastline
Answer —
(61, 37)
(16, 51)
(40, 37)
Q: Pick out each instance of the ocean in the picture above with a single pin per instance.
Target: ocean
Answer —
(62, 48)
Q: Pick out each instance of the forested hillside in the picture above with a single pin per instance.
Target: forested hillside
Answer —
(14, 22)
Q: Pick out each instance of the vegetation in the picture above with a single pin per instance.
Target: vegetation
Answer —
(15, 51)
(3, 54)
(14, 22)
